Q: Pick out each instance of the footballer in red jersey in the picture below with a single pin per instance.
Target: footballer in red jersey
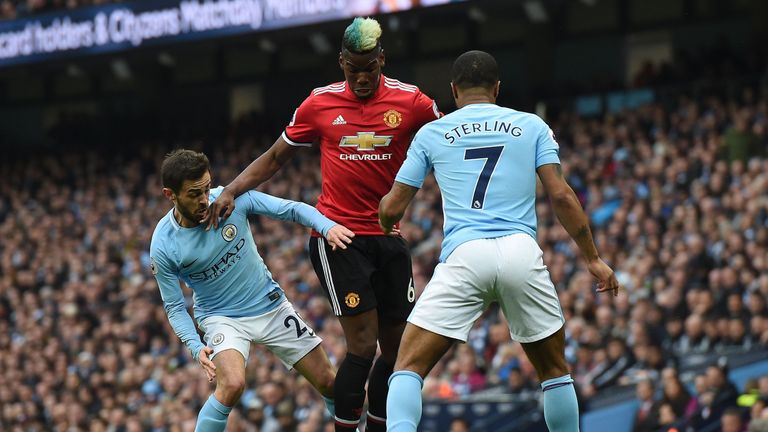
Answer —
(362, 142)
(363, 126)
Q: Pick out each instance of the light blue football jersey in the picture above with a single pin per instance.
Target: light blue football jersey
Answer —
(484, 158)
(222, 267)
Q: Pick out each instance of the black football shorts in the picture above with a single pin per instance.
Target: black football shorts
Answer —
(374, 272)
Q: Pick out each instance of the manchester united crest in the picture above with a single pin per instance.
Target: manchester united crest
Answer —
(352, 300)
(393, 118)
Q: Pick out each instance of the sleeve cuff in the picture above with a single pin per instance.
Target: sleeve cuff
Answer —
(547, 159)
(195, 349)
(294, 143)
(409, 182)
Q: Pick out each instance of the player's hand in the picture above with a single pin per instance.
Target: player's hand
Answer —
(339, 237)
(606, 277)
(206, 363)
(392, 231)
(221, 207)
(388, 230)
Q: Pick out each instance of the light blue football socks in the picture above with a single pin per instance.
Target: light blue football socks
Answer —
(404, 401)
(561, 409)
(213, 416)
(330, 405)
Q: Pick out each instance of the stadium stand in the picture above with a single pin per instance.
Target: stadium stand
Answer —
(677, 195)
(671, 166)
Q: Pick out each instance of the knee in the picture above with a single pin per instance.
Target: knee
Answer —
(554, 370)
(407, 362)
(362, 342)
(231, 388)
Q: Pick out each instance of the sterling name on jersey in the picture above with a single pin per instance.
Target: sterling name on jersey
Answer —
(485, 158)
(363, 142)
(222, 266)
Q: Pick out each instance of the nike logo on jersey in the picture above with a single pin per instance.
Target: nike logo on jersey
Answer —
(339, 121)
(189, 263)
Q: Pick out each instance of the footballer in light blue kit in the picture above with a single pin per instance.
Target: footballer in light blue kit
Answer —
(486, 159)
(236, 300)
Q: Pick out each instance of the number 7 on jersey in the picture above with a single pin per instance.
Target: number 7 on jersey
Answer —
(491, 156)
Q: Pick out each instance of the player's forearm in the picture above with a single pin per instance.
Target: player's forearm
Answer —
(259, 171)
(184, 327)
(389, 212)
(574, 220)
(306, 215)
(392, 206)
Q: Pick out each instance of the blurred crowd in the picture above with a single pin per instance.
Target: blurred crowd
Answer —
(677, 196)
(12, 9)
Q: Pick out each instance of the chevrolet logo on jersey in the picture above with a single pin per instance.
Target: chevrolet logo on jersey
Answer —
(365, 141)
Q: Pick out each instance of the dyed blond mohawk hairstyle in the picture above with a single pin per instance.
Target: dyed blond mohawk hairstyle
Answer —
(362, 35)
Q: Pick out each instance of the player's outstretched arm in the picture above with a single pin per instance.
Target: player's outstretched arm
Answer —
(393, 205)
(568, 210)
(259, 171)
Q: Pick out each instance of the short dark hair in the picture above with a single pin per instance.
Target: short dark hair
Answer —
(475, 69)
(183, 164)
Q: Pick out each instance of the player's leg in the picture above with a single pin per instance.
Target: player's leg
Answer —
(230, 383)
(345, 276)
(390, 335)
(361, 333)
(317, 369)
(230, 351)
(293, 341)
(420, 350)
(459, 292)
(561, 408)
(395, 294)
(530, 303)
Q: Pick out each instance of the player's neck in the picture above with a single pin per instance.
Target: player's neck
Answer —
(474, 99)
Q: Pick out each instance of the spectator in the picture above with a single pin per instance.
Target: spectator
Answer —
(647, 416)
(725, 393)
(676, 396)
(731, 421)
(459, 425)
(667, 417)
(739, 141)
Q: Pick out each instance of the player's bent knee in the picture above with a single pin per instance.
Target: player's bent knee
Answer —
(413, 363)
(231, 389)
(361, 347)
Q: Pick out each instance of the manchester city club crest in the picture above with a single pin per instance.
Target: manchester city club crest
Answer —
(152, 266)
(229, 232)
(217, 339)
(393, 118)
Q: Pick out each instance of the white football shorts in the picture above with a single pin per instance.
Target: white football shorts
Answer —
(507, 269)
(281, 330)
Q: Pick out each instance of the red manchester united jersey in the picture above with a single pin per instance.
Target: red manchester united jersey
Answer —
(363, 142)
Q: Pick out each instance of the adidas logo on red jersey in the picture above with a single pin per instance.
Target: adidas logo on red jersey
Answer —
(339, 121)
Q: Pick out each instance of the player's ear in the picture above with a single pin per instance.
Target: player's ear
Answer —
(382, 58)
(341, 60)
(454, 93)
(496, 89)
(168, 193)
